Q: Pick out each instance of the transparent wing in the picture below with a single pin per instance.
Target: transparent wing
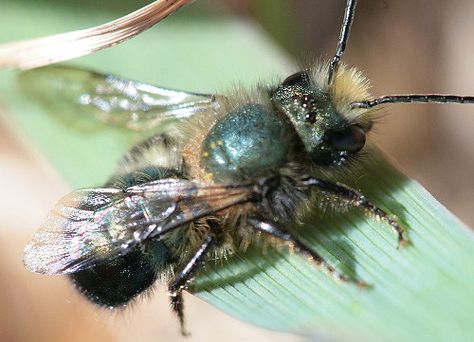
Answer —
(111, 99)
(90, 226)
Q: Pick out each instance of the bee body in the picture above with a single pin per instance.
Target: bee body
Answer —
(249, 136)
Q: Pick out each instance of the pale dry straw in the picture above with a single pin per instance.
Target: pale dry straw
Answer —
(38, 52)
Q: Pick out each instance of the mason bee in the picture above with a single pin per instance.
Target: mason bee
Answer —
(229, 168)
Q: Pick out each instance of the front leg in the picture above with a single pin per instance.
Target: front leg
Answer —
(357, 199)
(182, 279)
(276, 231)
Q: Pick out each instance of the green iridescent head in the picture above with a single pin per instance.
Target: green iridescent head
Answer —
(328, 137)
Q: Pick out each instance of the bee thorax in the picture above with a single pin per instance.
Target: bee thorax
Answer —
(248, 141)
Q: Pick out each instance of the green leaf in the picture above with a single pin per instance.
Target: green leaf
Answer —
(421, 292)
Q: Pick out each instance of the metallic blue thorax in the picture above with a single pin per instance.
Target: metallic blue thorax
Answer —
(248, 141)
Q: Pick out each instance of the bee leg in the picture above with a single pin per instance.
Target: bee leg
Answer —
(182, 279)
(358, 200)
(273, 229)
(177, 305)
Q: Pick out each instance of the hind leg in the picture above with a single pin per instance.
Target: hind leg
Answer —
(185, 275)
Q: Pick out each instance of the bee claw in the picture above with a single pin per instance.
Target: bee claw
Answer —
(403, 242)
(363, 285)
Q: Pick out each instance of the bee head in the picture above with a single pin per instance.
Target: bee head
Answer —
(328, 134)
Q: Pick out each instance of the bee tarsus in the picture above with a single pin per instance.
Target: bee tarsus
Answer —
(275, 230)
(357, 199)
(177, 306)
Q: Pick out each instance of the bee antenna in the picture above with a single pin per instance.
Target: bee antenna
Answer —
(343, 37)
(414, 98)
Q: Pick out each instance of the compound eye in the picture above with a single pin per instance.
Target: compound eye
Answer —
(350, 139)
(296, 78)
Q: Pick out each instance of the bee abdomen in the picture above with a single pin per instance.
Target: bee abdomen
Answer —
(116, 282)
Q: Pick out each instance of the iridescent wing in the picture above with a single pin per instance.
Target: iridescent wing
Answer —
(90, 226)
(111, 99)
